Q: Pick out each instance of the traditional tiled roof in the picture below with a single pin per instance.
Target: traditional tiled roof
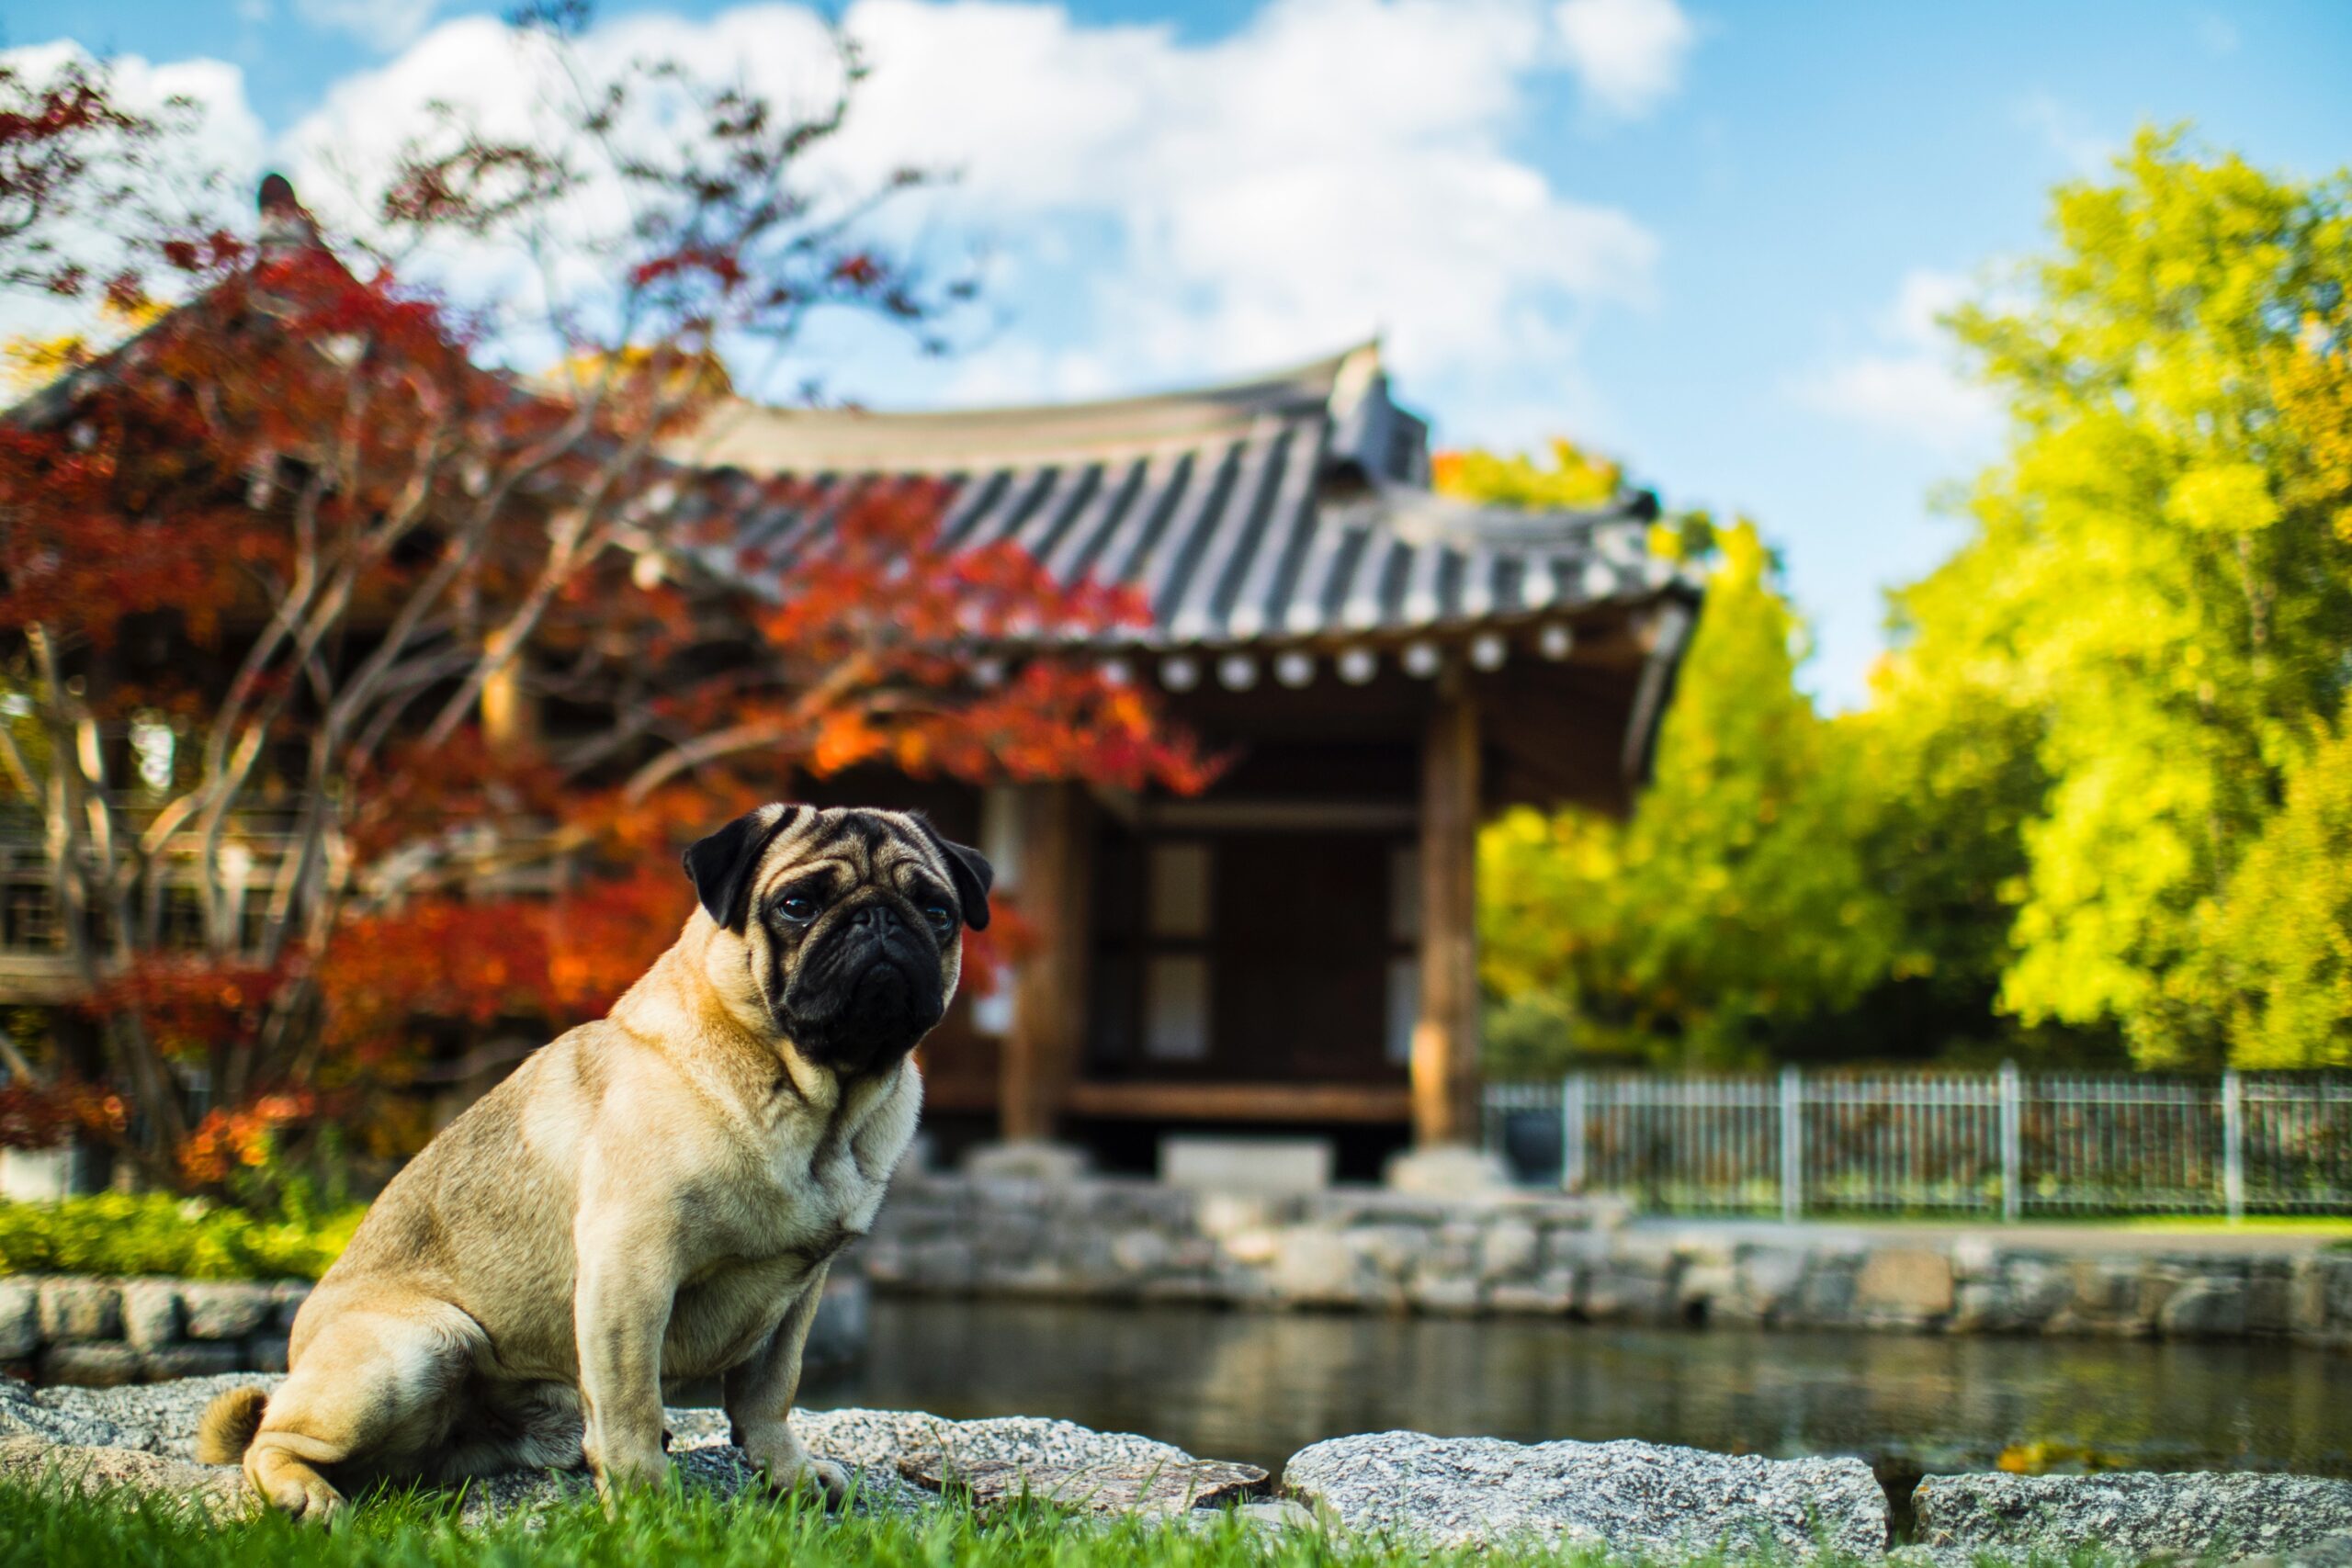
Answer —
(1292, 507)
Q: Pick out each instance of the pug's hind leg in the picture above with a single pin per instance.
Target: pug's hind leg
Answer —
(373, 1395)
(532, 1426)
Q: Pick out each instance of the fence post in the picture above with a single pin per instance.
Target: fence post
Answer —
(1571, 1170)
(2233, 1145)
(1792, 1144)
(2012, 1144)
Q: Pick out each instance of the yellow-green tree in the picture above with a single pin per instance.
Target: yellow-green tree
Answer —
(2280, 953)
(2279, 950)
(1574, 478)
(2155, 598)
(1735, 900)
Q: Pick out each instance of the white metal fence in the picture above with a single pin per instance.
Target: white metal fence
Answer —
(2002, 1144)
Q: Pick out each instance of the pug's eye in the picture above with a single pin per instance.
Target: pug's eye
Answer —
(796, 908)
(942, 918)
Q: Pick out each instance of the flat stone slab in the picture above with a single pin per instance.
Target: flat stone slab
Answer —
(143, 1439)
(2327, 1551)
(1158, 1490)
(2131, 1514)
(216, 1491)
(1622, 1496)
(86, 1418)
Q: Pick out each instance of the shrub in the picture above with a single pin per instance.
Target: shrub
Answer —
(115, 1233)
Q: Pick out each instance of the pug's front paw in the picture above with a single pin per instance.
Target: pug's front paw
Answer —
(789, 1468)
(827, 1481)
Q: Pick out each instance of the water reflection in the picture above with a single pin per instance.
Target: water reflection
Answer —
(1258, 1387)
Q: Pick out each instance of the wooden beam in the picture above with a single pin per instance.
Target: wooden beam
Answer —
(510, 711)
(1042, 1049)
(1446, 1036)
(36, 979)
(1370, 1102)
(1280, 815)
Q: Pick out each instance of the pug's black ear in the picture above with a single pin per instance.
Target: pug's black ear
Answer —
(971, 872)
(721, 866)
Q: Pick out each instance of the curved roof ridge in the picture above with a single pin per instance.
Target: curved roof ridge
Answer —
(1422, 516)
(761, 439)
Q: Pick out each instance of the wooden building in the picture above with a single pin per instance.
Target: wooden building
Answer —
(1384, 666)
(1297, 947)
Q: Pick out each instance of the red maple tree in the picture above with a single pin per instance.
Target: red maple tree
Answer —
(352, 680)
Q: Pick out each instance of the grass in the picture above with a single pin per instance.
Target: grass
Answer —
(59, 1530)
(154, 1233)
(2210, 1225)
(699, 1529)
(2324, 1226)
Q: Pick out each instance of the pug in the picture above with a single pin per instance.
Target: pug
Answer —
(649, 1198)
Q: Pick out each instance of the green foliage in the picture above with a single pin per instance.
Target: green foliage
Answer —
(1734, 899)
(2281, 944)
(1575, 479)
(116, 1233)
(1953, 778)
(2151, 612)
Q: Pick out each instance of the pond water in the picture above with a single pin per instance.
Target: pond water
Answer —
(1259, 1386)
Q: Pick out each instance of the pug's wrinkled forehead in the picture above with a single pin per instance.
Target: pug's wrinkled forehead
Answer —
(762, 849)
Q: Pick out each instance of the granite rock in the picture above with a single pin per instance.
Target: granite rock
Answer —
(1906, 1283)
(20, 1319)
(882, 1439)
(217, 1491)
(63, 1416)
(1281, 1514)
(76, 1308)
(2131, 1514)
(1769, 1278)
(151, 1312)
(201, 1359)
(159, 1421)
(1620, 1496)
(2328, 1551)
(224, 1311)
(1510, 1250)
(1156, 1490)
(100, 1363)
(2205, 1309)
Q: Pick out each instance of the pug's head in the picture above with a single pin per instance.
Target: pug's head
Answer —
(847, 925)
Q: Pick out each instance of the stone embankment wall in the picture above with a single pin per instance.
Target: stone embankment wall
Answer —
(65, 1328)
(1370, 1250)
(69, 1328)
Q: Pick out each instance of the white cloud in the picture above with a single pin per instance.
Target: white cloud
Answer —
(1335, 168)
(384, 24)
(2218, 34)
(1907, 385)
(1627, 54)
(211, 171)
(2066, 133)
(225, 135)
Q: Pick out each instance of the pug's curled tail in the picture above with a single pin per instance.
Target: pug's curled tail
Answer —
(229, 1425)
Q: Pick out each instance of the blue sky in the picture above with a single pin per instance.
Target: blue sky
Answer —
(1706, 235)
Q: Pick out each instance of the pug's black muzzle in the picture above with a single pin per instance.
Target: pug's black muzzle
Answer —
(866, 989)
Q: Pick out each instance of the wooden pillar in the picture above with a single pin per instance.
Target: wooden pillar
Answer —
(1048, 1039)
(510, 711)
(1445, 1037)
